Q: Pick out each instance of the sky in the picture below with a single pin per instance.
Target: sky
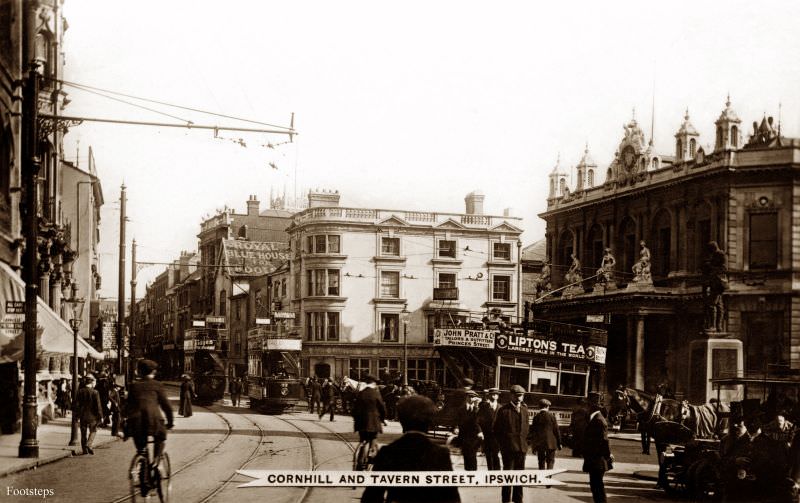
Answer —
(398, 105)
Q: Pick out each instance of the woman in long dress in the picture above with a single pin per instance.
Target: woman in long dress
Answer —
(187, 394)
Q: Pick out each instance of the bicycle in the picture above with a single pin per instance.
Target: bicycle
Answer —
(364, 455)
(146, 477)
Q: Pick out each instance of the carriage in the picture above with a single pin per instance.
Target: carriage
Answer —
(273, 382)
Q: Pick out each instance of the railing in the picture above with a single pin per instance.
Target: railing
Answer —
(377, 215)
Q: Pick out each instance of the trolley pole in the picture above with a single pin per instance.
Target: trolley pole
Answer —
(29, 445)
(121, 293)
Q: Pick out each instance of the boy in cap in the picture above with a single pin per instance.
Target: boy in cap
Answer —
(511, 430)
(545, 435)
(487, 413)
(414, 451)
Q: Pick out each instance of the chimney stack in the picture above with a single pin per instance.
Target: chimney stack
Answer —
(318, 198)
(474, 202)
(252, 206)
(509, 212)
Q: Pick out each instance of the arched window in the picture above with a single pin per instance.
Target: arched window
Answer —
(719, 138)
(562, 186)
(609, 175)
(594, 247)
(590, 178)
(679, 150)
(692, 147)
(552, 187)
(702, 219)
(628, 247)
(563, 259)
(734, 136)
(656, 164)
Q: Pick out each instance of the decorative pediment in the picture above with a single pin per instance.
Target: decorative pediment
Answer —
(394, 221)
(505, 227)
(450, 224)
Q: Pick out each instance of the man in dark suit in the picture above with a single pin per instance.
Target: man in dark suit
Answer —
(511, 430)
(369, 413)
(314, 397)
(89, 410)
(144, 418)
(597, 458)
(414, 451)
(328, 392)
(469, 431)
(545, 435)
(487, 412)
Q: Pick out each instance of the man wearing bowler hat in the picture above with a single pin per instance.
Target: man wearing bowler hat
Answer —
(511, 430)
(487, 413)
(89, 411)
(469, 431)
(597, 457)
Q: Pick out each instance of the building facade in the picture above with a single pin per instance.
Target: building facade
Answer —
(657, 214)
(368, 286)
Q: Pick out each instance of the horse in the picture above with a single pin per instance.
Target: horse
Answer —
(706, 421)
(348, 390)
(619, 408)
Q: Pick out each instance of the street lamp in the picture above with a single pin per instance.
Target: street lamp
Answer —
(75, 323)
(404, 316)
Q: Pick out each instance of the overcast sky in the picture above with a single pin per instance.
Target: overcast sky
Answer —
(399, 105)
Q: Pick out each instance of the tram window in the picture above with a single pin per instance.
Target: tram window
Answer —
(572, 384)
(544, 381)
(510, 376)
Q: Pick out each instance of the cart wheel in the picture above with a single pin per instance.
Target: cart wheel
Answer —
(704, 481)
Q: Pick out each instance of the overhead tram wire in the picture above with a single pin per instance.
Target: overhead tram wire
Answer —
(139, 106)
(87, 88)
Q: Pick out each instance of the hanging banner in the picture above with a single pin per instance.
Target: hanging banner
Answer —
(465, 338)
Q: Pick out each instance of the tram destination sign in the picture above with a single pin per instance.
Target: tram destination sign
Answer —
(546, 346)
(465, 338)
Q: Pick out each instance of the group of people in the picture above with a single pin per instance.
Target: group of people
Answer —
(97, 403)
(504, 432)
(321, 396)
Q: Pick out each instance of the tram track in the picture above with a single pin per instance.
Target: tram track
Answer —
(197, 458)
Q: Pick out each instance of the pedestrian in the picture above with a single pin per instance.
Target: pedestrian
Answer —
(468, 431)
(545, 435)
(369, 415)
(314, 404)
(236, 391)
(577, 427)
(328, 398)
(597, 457)
(89, 410)
(102, 385)
(115, 409)
(412, 452)
(187, 395)
(511, 430)
(487, 412)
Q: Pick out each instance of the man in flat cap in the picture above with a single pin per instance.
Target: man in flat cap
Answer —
(89, 411)
(145, 399)
(511, 430)
(369, 414)
(414, 451)
(469, 431)
(545, 437)
(487, 413)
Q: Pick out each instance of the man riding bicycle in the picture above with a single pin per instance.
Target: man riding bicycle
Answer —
(369, 415)
(144, 419)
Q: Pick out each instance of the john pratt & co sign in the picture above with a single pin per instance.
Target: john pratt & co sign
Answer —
(531, 344)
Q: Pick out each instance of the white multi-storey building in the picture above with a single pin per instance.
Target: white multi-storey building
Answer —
(368, 286)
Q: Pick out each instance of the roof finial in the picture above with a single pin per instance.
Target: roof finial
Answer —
(686, 117)
(587, 147)
(633, 115)
(728, 100)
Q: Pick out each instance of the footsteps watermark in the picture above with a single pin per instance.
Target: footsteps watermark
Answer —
(32, 492)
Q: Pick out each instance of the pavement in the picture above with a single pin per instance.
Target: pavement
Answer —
(53, 445)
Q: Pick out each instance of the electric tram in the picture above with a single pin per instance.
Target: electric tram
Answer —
(273, 371)
(202, 348)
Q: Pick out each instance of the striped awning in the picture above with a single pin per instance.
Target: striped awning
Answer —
(54, 334)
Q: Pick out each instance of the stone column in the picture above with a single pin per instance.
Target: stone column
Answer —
(630, 341)
(639, 365)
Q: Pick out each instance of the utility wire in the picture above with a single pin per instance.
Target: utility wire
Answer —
(138, 106)
(86, 88)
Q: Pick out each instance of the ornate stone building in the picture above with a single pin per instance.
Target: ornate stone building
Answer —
(657, 214)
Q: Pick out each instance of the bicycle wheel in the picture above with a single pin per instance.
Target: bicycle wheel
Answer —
(359, 457)
(164, 478)
(139, 478)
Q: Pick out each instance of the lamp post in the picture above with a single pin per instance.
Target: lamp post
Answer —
(75, 323)
(404, 315)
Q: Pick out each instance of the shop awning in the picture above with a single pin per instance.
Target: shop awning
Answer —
(55, 334)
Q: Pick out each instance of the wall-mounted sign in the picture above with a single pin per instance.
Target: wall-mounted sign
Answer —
(445, 294)
(462, 337)
(262, 321)
(283, 315)
(15, 307)
(283, 345)
(198, 323)
(595, 318)
(219, 320)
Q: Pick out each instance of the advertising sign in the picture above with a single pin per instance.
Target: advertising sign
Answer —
(215, 319)
(542, 345)
(283, 315)
(283, 345)
(465, 338)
